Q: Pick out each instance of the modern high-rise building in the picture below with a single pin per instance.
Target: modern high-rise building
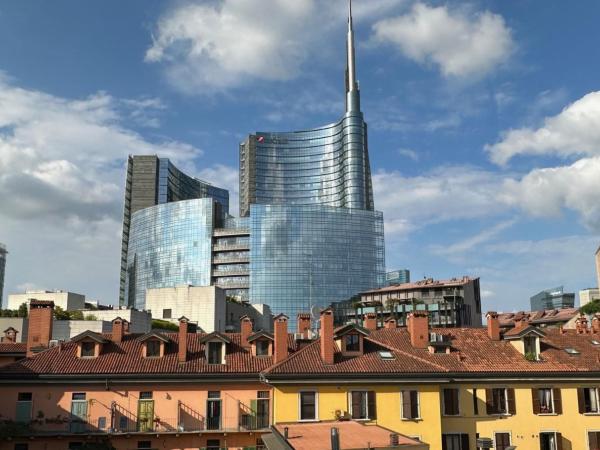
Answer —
(3, 254)
(552, 299)
(315, 237)
(397, 277)
(598, 266)
(155, 181)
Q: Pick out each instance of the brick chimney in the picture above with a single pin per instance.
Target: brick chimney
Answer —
(521, 323)
(418, 328)
(390, 323)
(596, 324)
(370, 321)
(493, 325)
(280, 335)
(39, 332)
(327, 343)
(118, 329)
(304, 325)
(246, 330)
(183, 339)
(10, 335)
(581, 325)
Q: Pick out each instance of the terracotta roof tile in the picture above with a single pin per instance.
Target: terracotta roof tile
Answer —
(8, 347)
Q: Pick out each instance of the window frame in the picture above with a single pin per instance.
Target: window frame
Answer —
(597, 391)
(506, 406)
(352, 336)
(418, 397)
(556, 437)
(552, 400)
(366, 399)
(93, 348)
(264, 345)
(153, 342)
(503, 432)
(209, 353)
(458, 411)
(460, 439)
(587, 437)
(316, 394)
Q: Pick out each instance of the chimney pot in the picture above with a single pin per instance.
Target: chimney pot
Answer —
(493, 325)
(246, 330)
(390, 323)
(281, 335)
(304, 325)
(581, 324)
(370, 321)
(183, 338)
(327, 344)
(418, 328)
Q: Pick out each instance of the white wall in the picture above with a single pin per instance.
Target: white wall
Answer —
(68, 301)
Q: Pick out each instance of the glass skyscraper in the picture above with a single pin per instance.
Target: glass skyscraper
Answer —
(3, 254)
(315, 237)
(154, 181)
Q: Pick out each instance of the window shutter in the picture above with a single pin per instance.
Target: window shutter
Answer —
(559, 445)
(355, 405)
(535, 398)
(444, 442)
(593, 438)
(372, 405)
(414, 402)
(581, 400)
(489, 401)
(510, 394)
(406, 405)
(447, 401)
(556, 393)
(464, 442)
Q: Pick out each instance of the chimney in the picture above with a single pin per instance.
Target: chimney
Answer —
(118, 329)
(281, 337)
(493, 325)
(370, 321)
(391, 323)
(10, 335)
(39, 330)
(521, 323)
(327, 336)
(304, 325)
(246, 330)
(183, 338)
(596, 324)
(418, 328)
(581, 325)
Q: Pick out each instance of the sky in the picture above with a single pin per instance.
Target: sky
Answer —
(484, 125)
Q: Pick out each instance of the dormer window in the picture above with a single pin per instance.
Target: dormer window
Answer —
(262, 347)
(153, 348)
(153, 344)
(262, 343)
(215, 353)
(526, 339)
(531, 345)
(352, 342)
(88, 349)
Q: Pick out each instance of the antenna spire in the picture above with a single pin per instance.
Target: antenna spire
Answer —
(352, 95)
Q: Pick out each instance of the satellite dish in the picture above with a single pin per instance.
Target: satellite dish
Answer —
(315, 312)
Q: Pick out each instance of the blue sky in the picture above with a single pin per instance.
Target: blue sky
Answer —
(484, 125)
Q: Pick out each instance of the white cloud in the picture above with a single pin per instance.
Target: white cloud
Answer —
(409, 153)
(215, 46)
(461, 44)
(226, 177)
(574, 131)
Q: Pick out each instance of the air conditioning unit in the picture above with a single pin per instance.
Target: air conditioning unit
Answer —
(53, 342)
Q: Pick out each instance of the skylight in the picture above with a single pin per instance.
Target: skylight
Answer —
(572, 351)
(595, 342)
(385, 354)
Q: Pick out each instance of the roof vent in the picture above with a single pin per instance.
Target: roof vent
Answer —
(572, 351)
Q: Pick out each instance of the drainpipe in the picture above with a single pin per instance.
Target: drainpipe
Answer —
(335, 439)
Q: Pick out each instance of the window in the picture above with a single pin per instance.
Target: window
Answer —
(21, 446)
(167, 314)
(530, 344)
(352, 342)
(451, 402)
(144, 445)
(213, 410)
(455, 441)
(88, 349)
(593, 440)
(410, 405)
(500, 401)
(475, 403)
(262, 409)
(502, 441)
(145, 395)
(24, 405)
(79, 414)
(308, 405)
(550, 441)
(362, 405)
(214, 353)
(262, 347)
(589, 400)
(75, 445)
(152, 348)
(386, 355)
(546, 401)
(213, 444)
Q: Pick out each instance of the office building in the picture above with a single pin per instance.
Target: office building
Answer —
(552, 299)
(588, 295)
(397, 277)
(450, 303)
(207, 307)
(69, 301)
(155, 181)
(3, 254)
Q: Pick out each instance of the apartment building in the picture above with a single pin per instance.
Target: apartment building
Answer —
(452, 389)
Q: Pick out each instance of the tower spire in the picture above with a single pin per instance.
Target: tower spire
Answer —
(352, 94)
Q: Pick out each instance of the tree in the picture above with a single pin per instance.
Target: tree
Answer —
(592, 307)
(61, 314)
(75, 315)
(23, 310)
(90, 317)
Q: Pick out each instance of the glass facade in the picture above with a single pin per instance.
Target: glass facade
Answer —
(313, 255)
(169, 245)
(3, 253)
(552, 299)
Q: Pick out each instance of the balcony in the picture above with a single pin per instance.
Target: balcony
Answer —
(231, 247)
(231, 260)
(230, 273)
(231, 231)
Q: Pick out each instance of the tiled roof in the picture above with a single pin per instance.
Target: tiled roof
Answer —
(126, 358)
(10, 348)
(472, 352)
(538, 317)
(423, 284)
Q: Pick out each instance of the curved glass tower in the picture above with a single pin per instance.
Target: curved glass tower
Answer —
(314, 235)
